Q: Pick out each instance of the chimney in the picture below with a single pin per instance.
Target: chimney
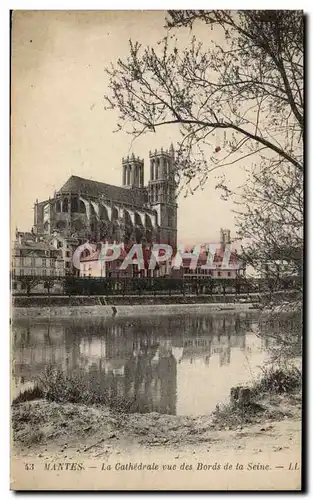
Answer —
(225, 237)
(222, 237)
(228, 236)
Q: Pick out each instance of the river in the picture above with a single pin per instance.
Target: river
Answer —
(177, 364)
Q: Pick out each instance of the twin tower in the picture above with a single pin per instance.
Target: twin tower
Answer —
(161, 186)
(161, 189)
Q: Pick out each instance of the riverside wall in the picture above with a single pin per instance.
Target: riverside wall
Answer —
(117, 305)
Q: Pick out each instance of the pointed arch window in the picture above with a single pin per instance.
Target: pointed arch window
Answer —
(165, 168)
(65, 205)
(157, 164)
(74, 205)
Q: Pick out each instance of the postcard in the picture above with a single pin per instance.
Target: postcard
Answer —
(157, 250)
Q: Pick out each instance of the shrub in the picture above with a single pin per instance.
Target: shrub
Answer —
(279, 380)
(75, 388)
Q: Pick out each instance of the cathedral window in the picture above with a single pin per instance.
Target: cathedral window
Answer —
(65, 205)
(128, 174)
(157, 168)
(74, 205)
(82, 208)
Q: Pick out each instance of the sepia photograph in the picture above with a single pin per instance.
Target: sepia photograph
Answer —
(157, 199)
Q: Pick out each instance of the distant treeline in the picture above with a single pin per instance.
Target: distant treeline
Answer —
(72, 285)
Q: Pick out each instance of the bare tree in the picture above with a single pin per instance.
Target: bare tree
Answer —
(250, 88)
(269, 218)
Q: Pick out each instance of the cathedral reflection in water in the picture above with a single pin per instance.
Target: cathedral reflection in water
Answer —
(137, 359)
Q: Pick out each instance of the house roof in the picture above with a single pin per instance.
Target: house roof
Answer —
(234, 259)
(75, 184)
(35, 247)
(26, 235)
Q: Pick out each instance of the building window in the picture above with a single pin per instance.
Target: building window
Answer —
(21, 261)
(22, 272)
(44, 262)
(219, 273)
(67, 264)
(65, 205)
(68, 254)
(229, 273)
(52, 262)
(33, 262)
(44, 272)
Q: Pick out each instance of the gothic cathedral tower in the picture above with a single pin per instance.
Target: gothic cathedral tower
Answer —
(162, 194)
(133, 172)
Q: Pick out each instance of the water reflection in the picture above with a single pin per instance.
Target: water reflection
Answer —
(175, 364)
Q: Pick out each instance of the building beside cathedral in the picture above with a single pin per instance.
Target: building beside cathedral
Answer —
(135, 212)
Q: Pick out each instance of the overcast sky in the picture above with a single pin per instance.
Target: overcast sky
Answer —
(59, 125)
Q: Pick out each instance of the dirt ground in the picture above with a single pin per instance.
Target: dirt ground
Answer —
(67, 431)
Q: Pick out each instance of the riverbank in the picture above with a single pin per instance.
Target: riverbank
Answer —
(123, 306)
(274, 397)
(74, 432)
(261, 435)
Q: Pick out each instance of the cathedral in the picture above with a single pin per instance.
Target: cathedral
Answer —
(135, 212)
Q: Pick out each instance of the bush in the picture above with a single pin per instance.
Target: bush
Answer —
(75, 388)
(279, 380)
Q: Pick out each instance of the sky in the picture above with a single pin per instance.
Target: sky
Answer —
(59, 126)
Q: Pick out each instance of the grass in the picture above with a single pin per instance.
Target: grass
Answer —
(54, 385)
(273, 382)
(29, 395)
(76, 388)
(279, 380)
